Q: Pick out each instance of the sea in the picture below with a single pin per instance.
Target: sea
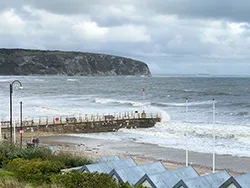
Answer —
(184, 124)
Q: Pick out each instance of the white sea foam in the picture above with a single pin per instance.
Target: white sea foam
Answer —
(189, 104)
(105, 136)
(133, 103)
(229, 139)
(39, 80)
(72, 80)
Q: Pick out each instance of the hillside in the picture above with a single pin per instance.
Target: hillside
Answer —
(38, 62)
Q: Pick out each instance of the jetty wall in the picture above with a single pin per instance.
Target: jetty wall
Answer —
(97, 126)
(85, 124)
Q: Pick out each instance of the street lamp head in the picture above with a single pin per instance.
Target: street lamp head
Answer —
(18, 84)
(20, 87)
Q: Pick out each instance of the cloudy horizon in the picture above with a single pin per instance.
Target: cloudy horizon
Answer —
(171, 36)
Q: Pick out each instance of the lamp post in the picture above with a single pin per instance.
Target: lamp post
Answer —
(213, 137)
(186, 132)
(11, 92)
(21, 123)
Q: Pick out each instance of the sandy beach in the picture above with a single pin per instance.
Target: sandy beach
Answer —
(145, 153)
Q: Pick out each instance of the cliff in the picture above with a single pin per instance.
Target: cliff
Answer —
(38, 62)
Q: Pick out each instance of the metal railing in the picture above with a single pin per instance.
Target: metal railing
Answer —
(54, 120)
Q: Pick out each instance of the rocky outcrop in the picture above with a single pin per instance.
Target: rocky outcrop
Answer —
(37, 62)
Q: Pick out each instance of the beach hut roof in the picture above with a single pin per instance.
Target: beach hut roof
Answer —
(168, 178)
(107, 159)
(231, 183)
(133, 174)
(106, 167)
(208, 181)
(217, 179)
(244, 180)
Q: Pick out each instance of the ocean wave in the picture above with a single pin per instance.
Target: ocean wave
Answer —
(182, 104)
(125, 102)
(230, 139)
(242, 113)
(39, 80)
(6, 80)
(215, 93)
(189, 91)
(71, 80)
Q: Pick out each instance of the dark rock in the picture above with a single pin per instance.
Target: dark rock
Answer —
(38, 62)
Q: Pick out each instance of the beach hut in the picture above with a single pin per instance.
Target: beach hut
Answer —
(98, 160)
(107, 159)
(167, 179)
(106, 167)
(133, 174)
(216, 180)
(244, 180)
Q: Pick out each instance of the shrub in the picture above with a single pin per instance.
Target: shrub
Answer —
(11, 183)
(7, 152)
(84, 180)
(5, 174)
(35, 153)
(3, 160)
(34, 171)
(125, 185)
(70, 160)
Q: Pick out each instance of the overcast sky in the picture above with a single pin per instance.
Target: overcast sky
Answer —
(171, 36)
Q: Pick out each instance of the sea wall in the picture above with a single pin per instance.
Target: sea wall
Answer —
(87, 126)
(98, 126)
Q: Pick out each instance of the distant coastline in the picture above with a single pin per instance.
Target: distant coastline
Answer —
(41, 62)
(195, 75)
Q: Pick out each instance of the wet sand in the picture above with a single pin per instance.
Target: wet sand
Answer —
(145, 153)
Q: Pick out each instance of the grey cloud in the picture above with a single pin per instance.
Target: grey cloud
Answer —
(71, 6)
(187, 44)
(210, 9)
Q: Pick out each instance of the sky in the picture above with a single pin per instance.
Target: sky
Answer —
(171, 36)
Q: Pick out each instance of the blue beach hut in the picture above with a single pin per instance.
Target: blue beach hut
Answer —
(106, 167)
(107, 159)
(244, 180)
(134, 174)
(216, 180)
(167, 179)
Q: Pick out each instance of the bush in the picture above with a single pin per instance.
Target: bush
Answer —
(3, 160)
(84, 180)
(70, 160)
(10, 151)
(34, 171)
(125, 185)
(5, 174)
(7, 152)
(36, 153)
(11, 183)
